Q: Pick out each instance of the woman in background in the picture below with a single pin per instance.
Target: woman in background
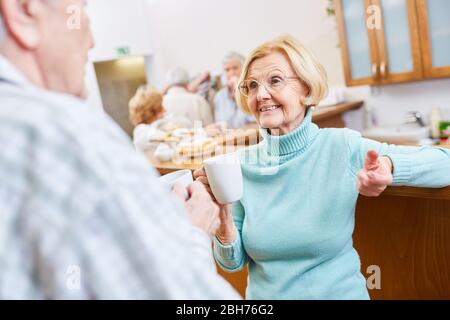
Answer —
(151, 121)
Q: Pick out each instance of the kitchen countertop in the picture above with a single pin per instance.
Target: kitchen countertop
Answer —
(421, 193)
(330, 111)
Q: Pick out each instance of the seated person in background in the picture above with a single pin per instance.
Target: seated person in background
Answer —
(203, 85)
(150, 119)
(180, 102)
(225, 105)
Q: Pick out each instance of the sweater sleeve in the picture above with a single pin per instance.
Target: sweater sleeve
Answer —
(232, 257)
(427, 167)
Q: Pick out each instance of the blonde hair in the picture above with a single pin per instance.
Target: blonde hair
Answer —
(145, 106)
(305, 64)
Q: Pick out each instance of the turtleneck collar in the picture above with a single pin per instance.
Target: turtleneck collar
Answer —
(296, 141)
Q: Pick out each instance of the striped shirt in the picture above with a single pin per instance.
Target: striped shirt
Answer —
(82, 214)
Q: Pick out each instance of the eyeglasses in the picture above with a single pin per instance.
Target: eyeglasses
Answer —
(249, 88)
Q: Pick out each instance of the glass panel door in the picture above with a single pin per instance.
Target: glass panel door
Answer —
(439, 32)
(354, 13)
(397, 36)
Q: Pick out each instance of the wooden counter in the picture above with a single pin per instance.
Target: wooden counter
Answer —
(419, 193)
(331, 117)
(408, 238)
(406, 234)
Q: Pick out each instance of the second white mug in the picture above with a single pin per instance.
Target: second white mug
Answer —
(181, 177)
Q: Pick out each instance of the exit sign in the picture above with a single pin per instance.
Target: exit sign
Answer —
(123, 51)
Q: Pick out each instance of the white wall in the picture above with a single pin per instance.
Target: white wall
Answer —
(116, 24)
(196, 34)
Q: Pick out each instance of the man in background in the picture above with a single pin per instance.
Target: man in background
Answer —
(82, 215)
(225, 106)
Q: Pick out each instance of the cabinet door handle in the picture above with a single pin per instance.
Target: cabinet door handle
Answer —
(375, 70)
(383, 68)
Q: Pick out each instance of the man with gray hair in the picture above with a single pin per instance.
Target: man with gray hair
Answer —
(225, 106)
(82, 215)
(180, 102)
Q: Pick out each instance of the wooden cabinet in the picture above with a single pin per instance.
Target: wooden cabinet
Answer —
(393, 41)
(435, 37)
(359, 55)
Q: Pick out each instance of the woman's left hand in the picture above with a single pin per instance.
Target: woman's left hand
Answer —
(376, 175)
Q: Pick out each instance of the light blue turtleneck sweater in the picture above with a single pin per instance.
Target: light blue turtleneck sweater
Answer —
(297, 215)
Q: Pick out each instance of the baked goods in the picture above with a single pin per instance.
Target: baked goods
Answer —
(199, 147)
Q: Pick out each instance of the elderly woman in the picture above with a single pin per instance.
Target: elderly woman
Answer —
(150, 119)
(145, 109)
(293, 226)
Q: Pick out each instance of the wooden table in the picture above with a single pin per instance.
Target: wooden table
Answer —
(231, 141)
(324, 117)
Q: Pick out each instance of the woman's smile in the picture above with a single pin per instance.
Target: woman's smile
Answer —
(269, 108)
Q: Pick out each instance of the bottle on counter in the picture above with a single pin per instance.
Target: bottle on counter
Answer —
(370, 117)
(435, 119)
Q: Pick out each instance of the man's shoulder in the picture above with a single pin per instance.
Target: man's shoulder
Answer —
(31, 111)
(53, 117)
(37, 105)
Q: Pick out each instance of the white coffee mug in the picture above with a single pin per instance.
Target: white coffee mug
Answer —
(225, 177)
(181, 177)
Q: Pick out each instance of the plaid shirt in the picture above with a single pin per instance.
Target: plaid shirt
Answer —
(82, 214)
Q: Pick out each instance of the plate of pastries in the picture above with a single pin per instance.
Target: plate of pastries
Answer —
(197, 147)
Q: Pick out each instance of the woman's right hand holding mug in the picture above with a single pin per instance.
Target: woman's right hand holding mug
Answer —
(226, 233)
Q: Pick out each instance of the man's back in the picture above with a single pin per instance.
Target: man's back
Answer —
(82, 215)
(182, 103)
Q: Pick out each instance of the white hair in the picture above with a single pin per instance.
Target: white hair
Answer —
(233, 56)
(177, 76)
